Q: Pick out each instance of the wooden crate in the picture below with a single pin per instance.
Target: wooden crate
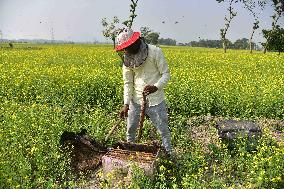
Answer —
(124, 155)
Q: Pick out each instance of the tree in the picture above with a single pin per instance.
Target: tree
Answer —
(275, 39)
(152, 38)
(149, 36)
(110, 30)
(167, 41)
(278, 12)
(249, 5)
(133, 15)
(11, 45)
(254, 8)
(254, 28)
(206, 43)
(145, 31)
(228, 20)
(241, 43)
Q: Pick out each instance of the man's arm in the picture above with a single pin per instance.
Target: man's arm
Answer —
(128, 79)
(163, 69)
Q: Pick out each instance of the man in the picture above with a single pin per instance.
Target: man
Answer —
(145, 70)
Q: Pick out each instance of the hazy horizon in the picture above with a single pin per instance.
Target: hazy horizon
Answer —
(81, 22)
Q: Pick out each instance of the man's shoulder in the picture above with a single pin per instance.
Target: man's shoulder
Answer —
(154, 48)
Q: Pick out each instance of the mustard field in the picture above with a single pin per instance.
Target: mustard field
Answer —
(48, 89)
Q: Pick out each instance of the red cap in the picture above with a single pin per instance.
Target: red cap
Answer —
(126, 38)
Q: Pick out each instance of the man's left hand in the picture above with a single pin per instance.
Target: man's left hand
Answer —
(148, 89)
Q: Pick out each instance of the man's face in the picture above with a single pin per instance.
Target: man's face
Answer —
(134, 48)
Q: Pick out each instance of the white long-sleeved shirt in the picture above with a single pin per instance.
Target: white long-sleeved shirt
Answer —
(154, 71)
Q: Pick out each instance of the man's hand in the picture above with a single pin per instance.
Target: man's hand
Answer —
(148, 89)
(124, 111)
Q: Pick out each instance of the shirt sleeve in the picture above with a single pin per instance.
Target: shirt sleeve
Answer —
(128, 79)
(163, 69)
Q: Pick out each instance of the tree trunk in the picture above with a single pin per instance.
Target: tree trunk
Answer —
(265, 49)
(224, 46)
(113, 44)
(250, 41)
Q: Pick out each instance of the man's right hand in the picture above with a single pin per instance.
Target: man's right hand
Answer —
(124, 111)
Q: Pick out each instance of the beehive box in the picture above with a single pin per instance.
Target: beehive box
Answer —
(123, 155)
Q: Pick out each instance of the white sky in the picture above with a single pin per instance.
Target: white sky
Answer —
(80, 20)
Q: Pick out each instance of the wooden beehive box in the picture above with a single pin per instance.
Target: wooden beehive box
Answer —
(123, 155)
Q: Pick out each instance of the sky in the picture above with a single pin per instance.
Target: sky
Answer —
(80, 20)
